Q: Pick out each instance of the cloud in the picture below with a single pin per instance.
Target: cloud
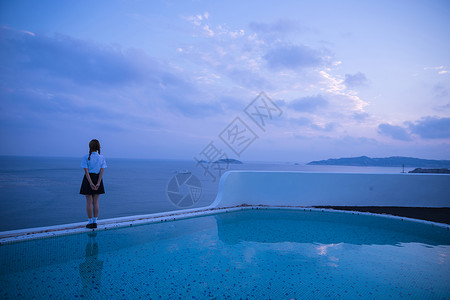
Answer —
(443, 107)
(440, 91)
(360, 116)
(306, 122)
(426, 128)
(192, 109)
(393, 131)
(431, 128)
(302, 121)
(327, 127)
(309, 104)
(274, 32)
(59, 88)
(230, 56)
(355, 80)
(293, 57)
(65, 57)
(275, 28)
(247, 78)
(440, 69)
(48, 73)
(250, 62)
(197, 19)
(205, 28)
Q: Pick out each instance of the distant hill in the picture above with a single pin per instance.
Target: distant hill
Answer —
(394, 161)
(228, 161)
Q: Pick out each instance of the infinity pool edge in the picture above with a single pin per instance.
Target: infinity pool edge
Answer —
(13, 236)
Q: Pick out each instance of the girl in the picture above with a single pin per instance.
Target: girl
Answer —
(92, 185)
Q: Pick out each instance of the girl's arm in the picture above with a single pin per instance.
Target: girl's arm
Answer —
(100, 176)
(86, 171)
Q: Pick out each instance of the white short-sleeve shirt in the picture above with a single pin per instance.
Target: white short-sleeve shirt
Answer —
(96, 162)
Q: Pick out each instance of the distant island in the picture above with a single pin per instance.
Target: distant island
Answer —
(435, 171)
(394, 161)
(228, 161)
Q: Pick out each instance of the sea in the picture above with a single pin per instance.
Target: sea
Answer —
(44, 191)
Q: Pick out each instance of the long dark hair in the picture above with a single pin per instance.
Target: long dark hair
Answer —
(94, 145)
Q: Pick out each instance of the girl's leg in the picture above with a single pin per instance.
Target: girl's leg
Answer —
(89, 201)
(96, 206)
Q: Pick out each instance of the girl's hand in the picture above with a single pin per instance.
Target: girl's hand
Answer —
(93, 187)
(97, 186)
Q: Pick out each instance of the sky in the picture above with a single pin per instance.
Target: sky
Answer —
(290, 81)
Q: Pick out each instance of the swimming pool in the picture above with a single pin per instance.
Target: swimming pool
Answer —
(257, 254)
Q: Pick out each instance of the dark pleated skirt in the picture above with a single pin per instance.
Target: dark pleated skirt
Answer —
(86, 187)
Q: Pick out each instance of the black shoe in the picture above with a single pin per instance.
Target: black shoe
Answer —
(91, 225)
(94, 225)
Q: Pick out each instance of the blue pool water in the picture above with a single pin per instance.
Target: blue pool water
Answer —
(256, 254)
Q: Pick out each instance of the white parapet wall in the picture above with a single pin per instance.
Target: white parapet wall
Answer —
(338, 189)
(281, 189)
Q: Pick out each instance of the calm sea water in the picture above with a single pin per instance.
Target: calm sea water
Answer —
(43, 191)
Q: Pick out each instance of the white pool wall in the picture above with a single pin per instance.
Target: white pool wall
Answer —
(334, 189)
(284, 190)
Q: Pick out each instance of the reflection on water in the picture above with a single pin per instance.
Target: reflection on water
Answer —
(269, 226)
(91, 268)
(256, 254)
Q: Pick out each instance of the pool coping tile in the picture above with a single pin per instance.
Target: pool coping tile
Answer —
(12, 236)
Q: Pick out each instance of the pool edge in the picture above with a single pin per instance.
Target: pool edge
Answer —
(13, 236)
